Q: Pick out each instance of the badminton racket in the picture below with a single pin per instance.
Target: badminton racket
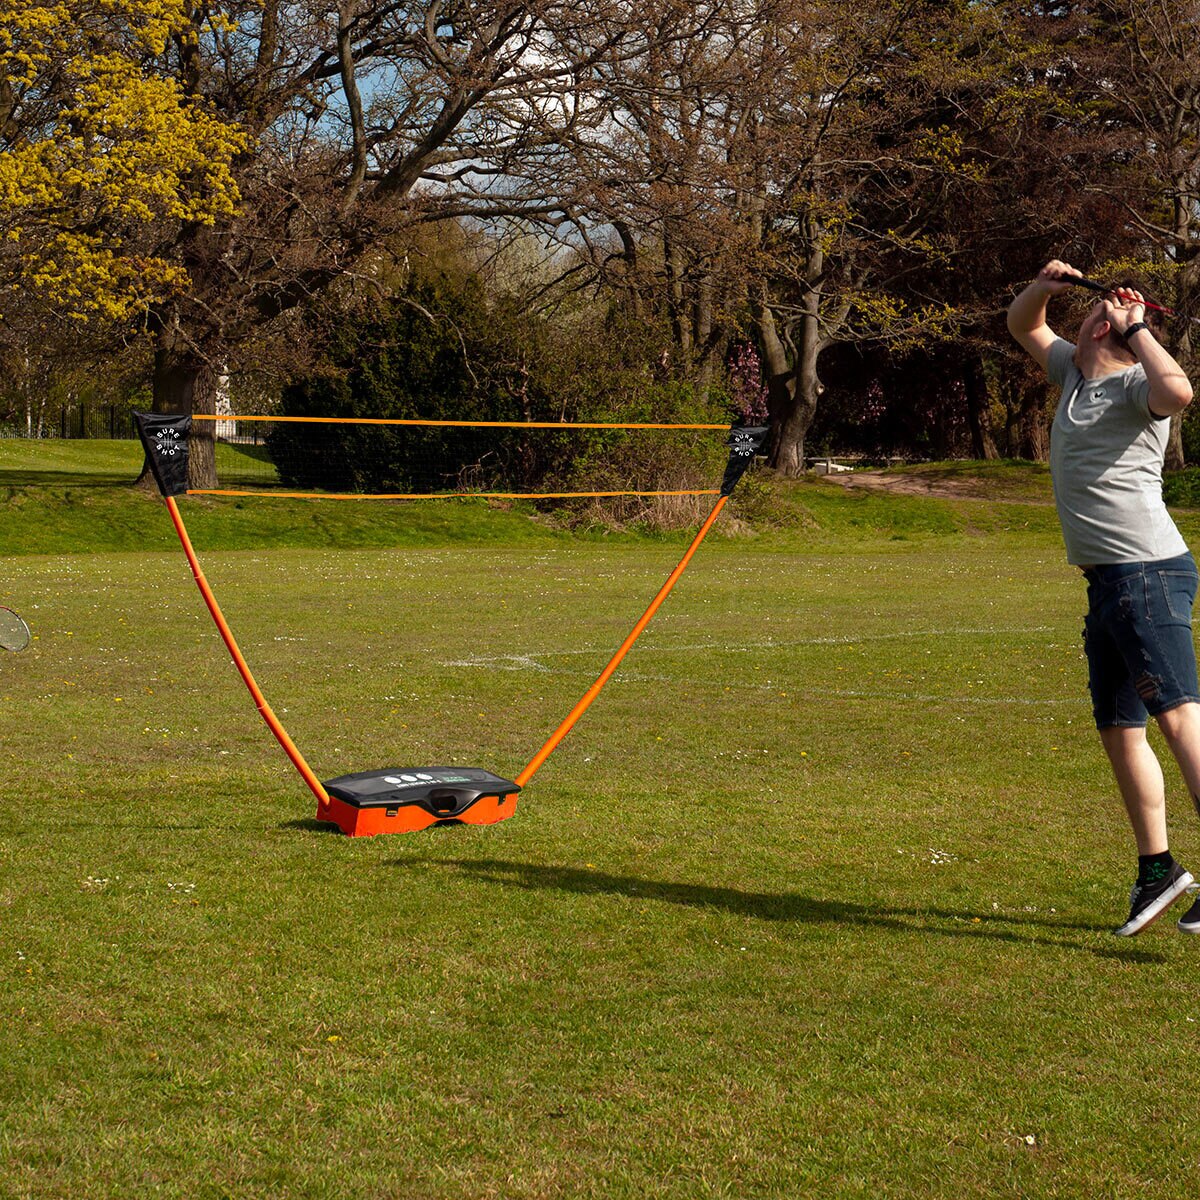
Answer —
(1107, 289)
(14, 633)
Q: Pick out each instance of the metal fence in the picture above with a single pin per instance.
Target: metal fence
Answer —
(100, 421)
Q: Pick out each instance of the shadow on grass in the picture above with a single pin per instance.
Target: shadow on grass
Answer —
(312, 825)
(63, 479)
(790, 906)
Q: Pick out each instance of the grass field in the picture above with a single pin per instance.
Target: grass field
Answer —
(815, 900)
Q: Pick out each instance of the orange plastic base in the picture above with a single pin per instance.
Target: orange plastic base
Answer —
(409, 818)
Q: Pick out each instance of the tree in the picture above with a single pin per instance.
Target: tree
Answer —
(768, 173)
(1136, 72)
(365, 117)
(995, 202)
(96, 149)
(359, 118)
(438, 348)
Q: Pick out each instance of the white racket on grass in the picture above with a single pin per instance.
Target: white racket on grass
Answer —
(14, 633)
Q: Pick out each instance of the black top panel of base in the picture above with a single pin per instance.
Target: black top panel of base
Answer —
(441, 790)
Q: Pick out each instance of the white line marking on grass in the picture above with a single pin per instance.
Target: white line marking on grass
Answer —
(514, 662)
(505, 662)
(517, 662)
(918, 698)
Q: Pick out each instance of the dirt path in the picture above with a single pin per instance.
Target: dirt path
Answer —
(911, 485)
(937, 483)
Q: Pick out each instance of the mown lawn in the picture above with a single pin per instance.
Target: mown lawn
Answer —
(815, 900)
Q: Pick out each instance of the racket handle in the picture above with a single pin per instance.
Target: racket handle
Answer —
(1080, 281)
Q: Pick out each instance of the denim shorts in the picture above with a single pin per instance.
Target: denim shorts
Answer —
(1138, 639)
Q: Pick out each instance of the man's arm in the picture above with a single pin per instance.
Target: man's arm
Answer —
(1027, 313)
(1170, 388)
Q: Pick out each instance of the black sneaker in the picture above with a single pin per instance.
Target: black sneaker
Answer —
(1148, 901)
(1190, 921)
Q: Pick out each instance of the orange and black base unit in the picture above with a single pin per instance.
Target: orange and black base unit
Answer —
(405, 799)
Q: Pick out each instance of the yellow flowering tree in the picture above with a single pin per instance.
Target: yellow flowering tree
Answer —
(126, 187)
(97, 145)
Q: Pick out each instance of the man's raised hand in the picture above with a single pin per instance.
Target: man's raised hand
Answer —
(1056, 275)
(1128, 308)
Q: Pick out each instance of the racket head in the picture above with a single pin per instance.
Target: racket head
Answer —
(14, 633)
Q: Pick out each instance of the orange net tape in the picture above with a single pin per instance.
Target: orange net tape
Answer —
(456, 424)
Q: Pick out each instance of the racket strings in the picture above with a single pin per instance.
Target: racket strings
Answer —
(14, 633)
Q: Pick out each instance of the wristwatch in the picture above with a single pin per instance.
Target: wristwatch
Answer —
(1134, 328)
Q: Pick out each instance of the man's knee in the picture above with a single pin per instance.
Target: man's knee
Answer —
(1122, 741)
(1180, 721)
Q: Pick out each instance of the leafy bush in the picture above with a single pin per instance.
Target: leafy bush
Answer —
(444, 351)
(398, 363)
(1181, 489)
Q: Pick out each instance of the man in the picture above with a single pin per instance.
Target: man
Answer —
(1119, 389)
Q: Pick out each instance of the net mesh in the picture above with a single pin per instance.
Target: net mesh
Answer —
(375, 458)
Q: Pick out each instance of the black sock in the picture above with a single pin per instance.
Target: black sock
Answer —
(1154, 867)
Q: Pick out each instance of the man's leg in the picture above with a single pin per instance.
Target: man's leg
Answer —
(1161, 880)
(1181, 728)
(1138, 640)
(1140, 779)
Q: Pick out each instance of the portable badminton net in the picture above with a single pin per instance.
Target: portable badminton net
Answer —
(403, 799)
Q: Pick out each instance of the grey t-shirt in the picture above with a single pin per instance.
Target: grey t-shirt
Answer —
(1106, 456)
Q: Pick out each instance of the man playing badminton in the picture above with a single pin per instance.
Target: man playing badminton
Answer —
(1119, 389)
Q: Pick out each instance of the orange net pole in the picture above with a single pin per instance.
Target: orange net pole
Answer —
(243, 669)
(586, 699)
(456, 424)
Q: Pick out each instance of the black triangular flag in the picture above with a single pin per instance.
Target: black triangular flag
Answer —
(165, 439)
(745, 441)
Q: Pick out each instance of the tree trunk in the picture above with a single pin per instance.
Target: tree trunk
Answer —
(788, 456)
(792, 404)
(702, 338)
(1186, 280)
(983, 443)
(780, 381)
(1173, 457)
(793, 389)
(185, 382)
(1034, 432)
(681, 324)
(630, 284)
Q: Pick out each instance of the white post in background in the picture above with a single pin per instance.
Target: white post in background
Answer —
(226, 431)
